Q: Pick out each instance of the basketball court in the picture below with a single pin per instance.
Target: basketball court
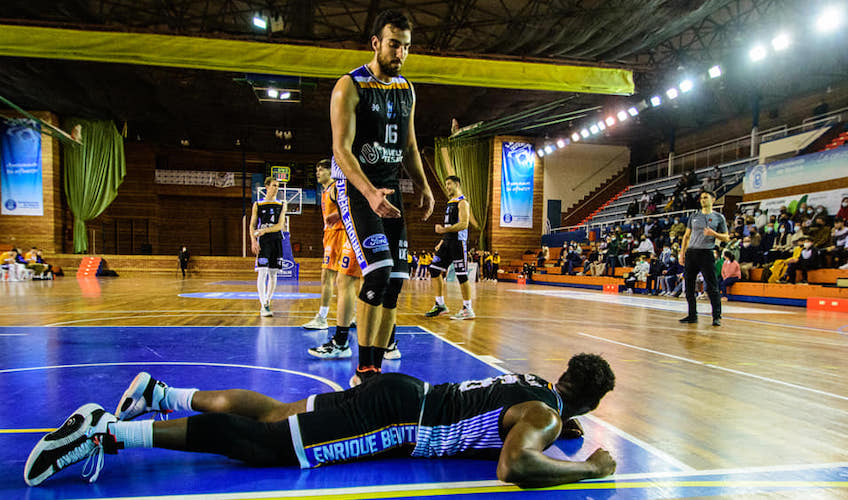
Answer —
(755, 409)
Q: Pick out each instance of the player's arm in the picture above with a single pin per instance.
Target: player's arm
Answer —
(684, 244)
(335, 216)
(412, 160)
(723, 236)
(522, 462)
(464, 211)
(343, 122)
(254, 243)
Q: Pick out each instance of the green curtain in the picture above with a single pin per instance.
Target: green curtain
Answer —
(470, 160)
(93, 173)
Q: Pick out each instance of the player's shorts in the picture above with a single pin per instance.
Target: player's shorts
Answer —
(377, 242)
(270, 254)
(333, 241)
(451, 252)
(348, 264)
(375, 418)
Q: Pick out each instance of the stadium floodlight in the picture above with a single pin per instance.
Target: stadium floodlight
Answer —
(540, 152)
(656, 101)
(610, 121)
(715, 71)
(259, 22)
(633, 111)
(549, 149)
(594, 129)
(622, 115)
(273, 93)
(781, 42)
(584, 133)
(758, 53)
(686, 85)
(575, 137)
(672, 93)
(285, 95)
(560, 143)
(829, 20)
(601, 125)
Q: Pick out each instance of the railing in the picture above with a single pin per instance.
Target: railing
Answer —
(808, 124)
(723, 152)
(636, 218)
(648, 184)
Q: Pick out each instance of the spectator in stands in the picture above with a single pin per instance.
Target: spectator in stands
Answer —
(835, 251)
(782, 247)
(639, 273)
(808, 260)
(820, 233)
(843, 209)
(573, 258)
(767, 238)
(821, 210)
(594, 263)
(643, 201)
(760, 219)
(802, 213)
(633, 208)
(646, 247)
(612, 254)
(658, 198)
(772, 222)
(670, 275)
(730, 274)
(665, 255)
(691, 179)
(682, 184)
(625, 248)
(677, 230)
(755, 236)
(655, 269)
(184, 257)
(542, 257)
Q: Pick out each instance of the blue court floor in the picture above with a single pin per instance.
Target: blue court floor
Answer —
(49, 371)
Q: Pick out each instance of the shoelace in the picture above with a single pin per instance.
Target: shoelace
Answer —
(94, 463)
(82, 451)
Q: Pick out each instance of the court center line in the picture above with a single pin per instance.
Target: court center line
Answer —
(638, 442)
(717, 367)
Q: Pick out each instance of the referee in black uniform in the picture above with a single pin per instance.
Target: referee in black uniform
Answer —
(703, 228)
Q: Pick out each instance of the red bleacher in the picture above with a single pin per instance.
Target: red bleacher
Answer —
(837, 141)
(605, 205)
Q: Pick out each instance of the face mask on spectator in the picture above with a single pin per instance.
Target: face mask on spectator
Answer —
(809, 211)
(676, 221)
(783, 230)
(757, 214)
(769, 229)
(672, 259)
(845, 203)
(808, 244)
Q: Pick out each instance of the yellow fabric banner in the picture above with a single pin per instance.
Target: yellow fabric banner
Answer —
(297, 60)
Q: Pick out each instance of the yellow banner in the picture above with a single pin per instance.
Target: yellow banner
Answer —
(298, 60)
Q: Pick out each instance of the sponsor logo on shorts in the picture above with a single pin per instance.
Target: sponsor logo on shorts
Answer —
(262, 261)
(361, 446)
(376, 242)
(344, 210)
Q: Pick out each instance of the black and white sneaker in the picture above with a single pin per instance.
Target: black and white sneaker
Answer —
(84, 435)
(392, 352)
(144, 395)
(331, 350)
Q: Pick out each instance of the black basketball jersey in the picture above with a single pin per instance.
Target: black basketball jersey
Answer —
(382, 126)
(465, 419)
(452, 217)
(269, 213)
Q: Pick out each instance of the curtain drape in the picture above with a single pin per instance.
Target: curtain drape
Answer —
(93, 172)
(470, 160)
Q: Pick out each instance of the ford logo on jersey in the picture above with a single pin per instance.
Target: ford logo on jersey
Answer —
(376, 241)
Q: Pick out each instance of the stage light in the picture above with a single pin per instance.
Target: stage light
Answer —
(601, 125)
(686, 85)
(829, 20)
(561, 143)
(259, 22)
(575, 137)
(610, 121)
(549, 149)
(540, 152)
(633, 111)
(285, 95)
(672, 93)
(758, 53)
(594, 129)
(273, 93)
(622, 115)
(781, 42)
(656, 101)
(715, 71)
(584, 133)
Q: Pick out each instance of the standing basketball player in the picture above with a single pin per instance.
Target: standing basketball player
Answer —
(452, 249)
(372, 112)
(696, 256)
(266, 242)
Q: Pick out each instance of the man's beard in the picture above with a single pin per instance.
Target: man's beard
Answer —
(387, 68)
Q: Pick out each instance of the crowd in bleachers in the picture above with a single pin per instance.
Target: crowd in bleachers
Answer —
(487, 264)
(18, 266)
(780, 244)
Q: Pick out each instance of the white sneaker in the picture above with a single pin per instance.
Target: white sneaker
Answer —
(316, 323)
(266, 311)
(392, 352)
(464, 313)
(330, 350)
(144, 395)
(84, 435)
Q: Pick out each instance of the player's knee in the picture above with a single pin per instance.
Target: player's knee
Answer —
(390, 299)
(374, 286)
(462, 278)
(435, 273)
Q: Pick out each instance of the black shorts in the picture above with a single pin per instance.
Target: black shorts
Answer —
(270, 254)
(376, 417)
(377, 242)
(451, 252)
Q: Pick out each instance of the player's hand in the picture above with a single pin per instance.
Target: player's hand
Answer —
(440, 229)
(571, 429)
(254, 247)
(429, 202)
(682, 259)
(709, 232)
(381, 206)
(602, 462)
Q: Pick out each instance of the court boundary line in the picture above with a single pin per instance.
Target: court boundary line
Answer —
(405, 489)
(717, 367)
(627, 437)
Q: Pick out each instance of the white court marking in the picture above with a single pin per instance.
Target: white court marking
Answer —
(717, 367)
(658, 303)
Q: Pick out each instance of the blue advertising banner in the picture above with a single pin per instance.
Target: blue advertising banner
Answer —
(806, 169)
(517, 169)
(20, 168)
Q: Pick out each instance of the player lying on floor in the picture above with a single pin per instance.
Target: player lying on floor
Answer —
(511, 418)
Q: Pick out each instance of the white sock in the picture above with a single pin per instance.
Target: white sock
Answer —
(272, 285)
(177, 399)
(261, 284)
(323, 311)
(440, 301)
(138, 434)
(466, 304)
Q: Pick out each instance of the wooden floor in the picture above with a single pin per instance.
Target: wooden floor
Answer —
(767, 389)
